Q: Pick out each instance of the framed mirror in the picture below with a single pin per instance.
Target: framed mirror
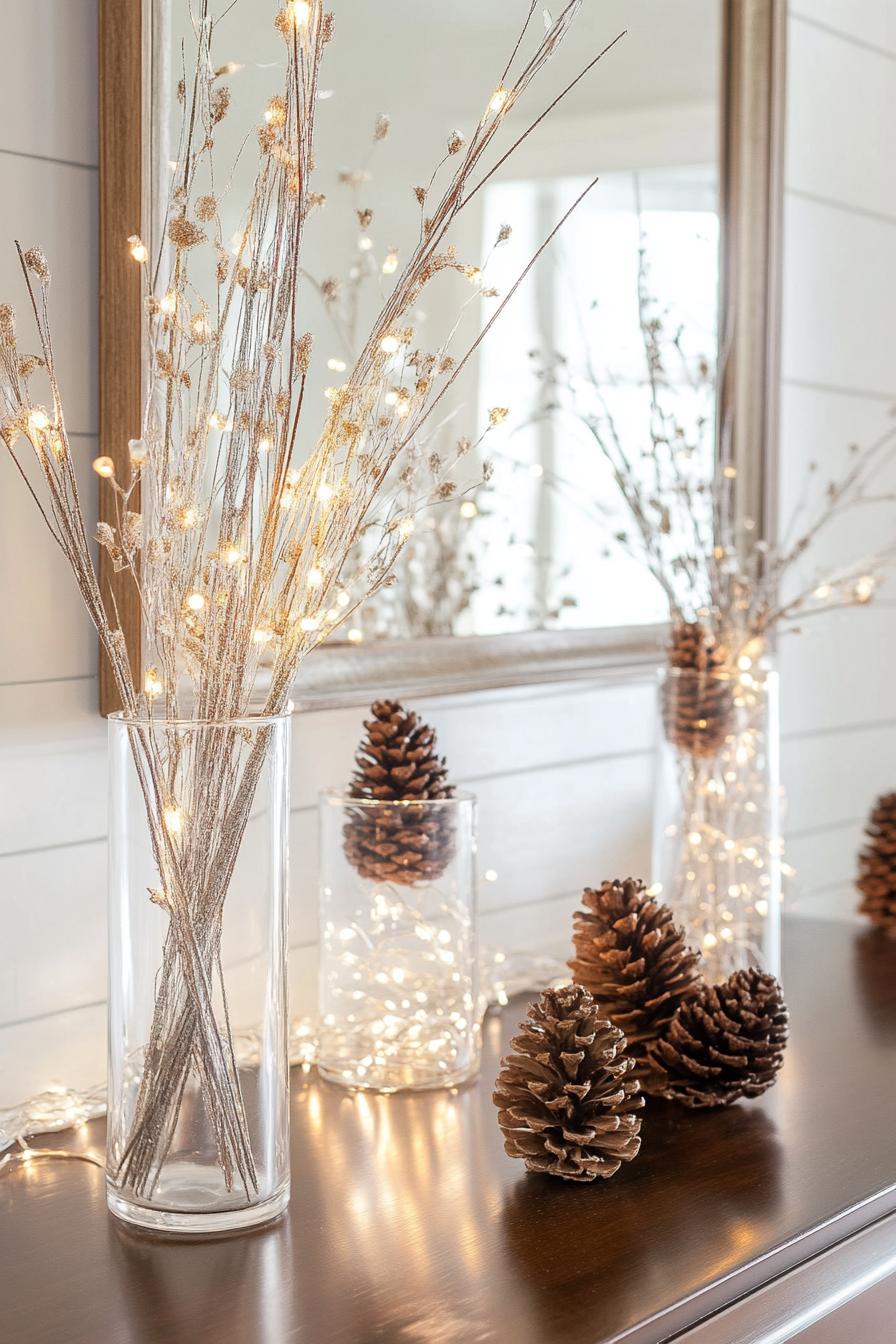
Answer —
(517, 580)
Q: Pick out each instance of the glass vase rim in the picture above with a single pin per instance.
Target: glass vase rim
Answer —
(342, 798)
(185, 721)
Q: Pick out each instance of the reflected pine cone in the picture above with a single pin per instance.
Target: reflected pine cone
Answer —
(633, 958)
(566, 1100)
(397, 761)
(877, 866)
(725, 1044)
(697, 699)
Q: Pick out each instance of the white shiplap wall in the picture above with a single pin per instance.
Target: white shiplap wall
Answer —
(838, 387)
(564, 774)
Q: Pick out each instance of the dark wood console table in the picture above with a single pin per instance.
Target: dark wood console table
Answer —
(409, 1224)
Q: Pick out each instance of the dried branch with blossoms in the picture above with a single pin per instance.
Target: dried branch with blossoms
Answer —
(239, 549)
(437, 572)
(680, 499)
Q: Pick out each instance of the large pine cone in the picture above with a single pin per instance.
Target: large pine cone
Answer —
(397, 762)
(877, 866)
(633, 958)
(697, 695)
(566, 1100)
(725, 1044)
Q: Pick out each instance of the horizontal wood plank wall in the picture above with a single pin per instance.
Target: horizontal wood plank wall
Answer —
(839, 387)
(564, 774)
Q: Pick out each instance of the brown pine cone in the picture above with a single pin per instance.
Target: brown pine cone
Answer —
(697, 695)
(566, 1100)
(397, 762)
(725, 1044)
(877, 866)
(633, 958)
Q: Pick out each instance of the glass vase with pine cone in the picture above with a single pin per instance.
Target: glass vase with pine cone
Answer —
(399, 993)
(717, 847)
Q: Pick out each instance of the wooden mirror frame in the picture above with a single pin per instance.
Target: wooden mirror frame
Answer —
(750, 174)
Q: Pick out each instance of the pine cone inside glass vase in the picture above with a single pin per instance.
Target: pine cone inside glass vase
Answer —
(567, 1101)
(397, 762)
(725, 1044)
(633, 958)
(698, 693)
(877, 866)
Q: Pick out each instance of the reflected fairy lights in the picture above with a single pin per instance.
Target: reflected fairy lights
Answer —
(420, 1191)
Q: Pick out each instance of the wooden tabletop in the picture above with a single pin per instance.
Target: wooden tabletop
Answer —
(408, 1223)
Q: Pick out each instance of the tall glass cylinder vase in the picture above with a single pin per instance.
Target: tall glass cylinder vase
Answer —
(399, 992)
(717, 844)
(198, 1127)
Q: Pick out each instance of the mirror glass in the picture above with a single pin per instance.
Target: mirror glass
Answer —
(540, 544)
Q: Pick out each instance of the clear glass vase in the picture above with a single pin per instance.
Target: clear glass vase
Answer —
(198, 1126)
(399, 992)
(717, 844)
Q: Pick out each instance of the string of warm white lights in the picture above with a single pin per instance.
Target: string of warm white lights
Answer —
(722, 857)
(502, 975)
(398, 985)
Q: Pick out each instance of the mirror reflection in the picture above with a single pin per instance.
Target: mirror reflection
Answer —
(528, 540)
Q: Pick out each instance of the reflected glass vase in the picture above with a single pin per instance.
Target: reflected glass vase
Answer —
(717, 845)
(198, 1125)
(399, 973)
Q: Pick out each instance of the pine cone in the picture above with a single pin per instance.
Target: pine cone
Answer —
(566, 1104)
(877, 866)
(397, 761)
(697, 696)
(634, 960)
(725, 1044)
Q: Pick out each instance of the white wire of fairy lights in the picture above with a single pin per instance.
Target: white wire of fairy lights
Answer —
(59, 1109)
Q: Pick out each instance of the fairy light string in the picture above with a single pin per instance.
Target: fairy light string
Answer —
(398, 989)
(724, 851)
